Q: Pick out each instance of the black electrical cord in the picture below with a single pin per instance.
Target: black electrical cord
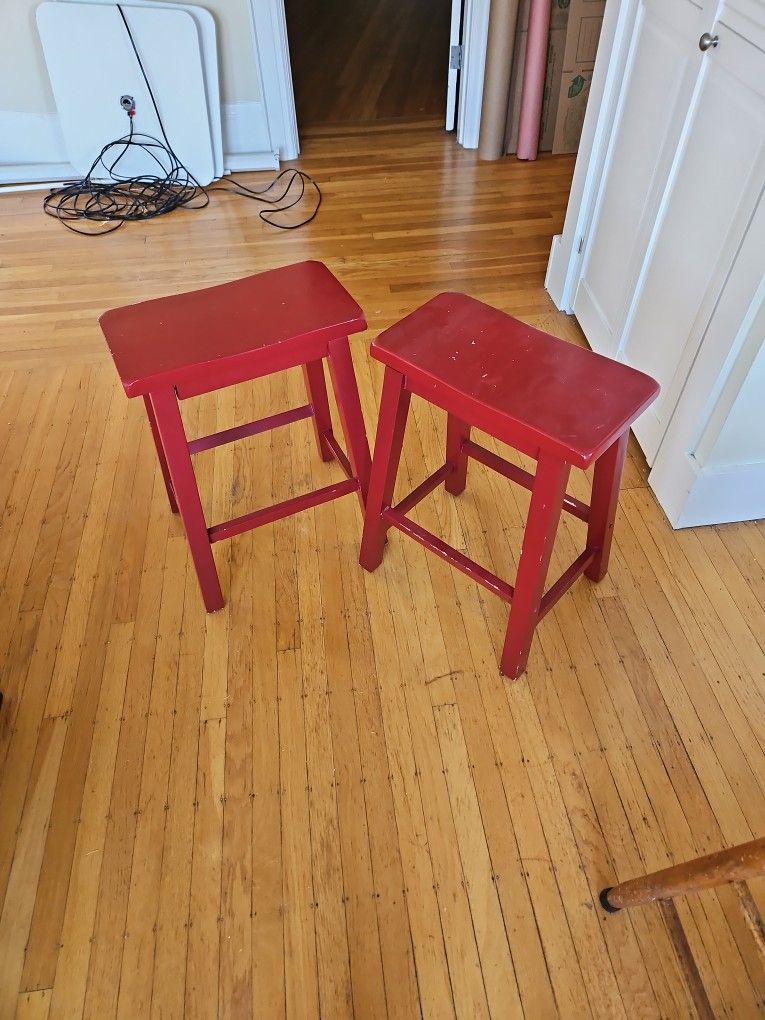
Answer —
(107, 199)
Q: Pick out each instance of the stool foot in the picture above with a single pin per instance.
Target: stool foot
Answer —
(394, 409)
(603, 897)
(605, 498)
(457, 432)
(538, 539)
(316, 387)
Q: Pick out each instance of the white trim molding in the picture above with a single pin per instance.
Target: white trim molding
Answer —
(693, 483)
(475, 33)
(566, 252)
(272, 58)
(698, 496)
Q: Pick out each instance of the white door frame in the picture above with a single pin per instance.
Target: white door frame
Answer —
(272, 57)
(455, 31)
(567, 251)
(475, 34)
(272, 50)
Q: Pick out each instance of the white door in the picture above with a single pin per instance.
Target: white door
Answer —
(455, 51)
(714, 191)
(660, 74)
(710, 466)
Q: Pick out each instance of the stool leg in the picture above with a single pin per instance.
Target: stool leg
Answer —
(605, 498)
(538, 539)
(160, 453)
(394, 408)
(175, 444)
(316, 385)
(456, 433)
(349, 408)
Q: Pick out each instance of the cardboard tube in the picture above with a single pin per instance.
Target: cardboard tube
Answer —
(534, 79)
(496, 83)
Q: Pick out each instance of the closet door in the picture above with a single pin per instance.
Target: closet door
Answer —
(662, 68)
(712, 195)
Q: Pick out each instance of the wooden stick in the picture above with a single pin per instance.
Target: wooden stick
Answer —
(734, 865)
(752, 915)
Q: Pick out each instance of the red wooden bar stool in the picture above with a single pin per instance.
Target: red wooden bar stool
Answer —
(177, 347)
(555, 402)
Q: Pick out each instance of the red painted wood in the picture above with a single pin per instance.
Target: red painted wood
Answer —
(517, 383)
(253, 428)
(342, 460)
(457, 434)
(424, 489)
(294, 505)
(207, 338)
(190, 344)
(538, 539)
(160, 454)
(453, 556)
(391, 425)
(316, 386)
(176, 448)
(349, 408)
(516, 474)
(564, 582)
(560, 404)
(605, 497)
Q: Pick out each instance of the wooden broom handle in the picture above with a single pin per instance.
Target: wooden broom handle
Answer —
(734, 865)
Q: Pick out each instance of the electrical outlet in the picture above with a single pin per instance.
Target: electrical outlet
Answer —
(127, 103)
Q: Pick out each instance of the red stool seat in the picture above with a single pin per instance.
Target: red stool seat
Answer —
(560, 404)
(206, 339)
(182, 346)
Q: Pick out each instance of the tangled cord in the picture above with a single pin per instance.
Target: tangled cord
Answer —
(108, 204)
(106, 199)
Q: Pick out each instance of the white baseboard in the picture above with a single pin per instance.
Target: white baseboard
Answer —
(32, 146)
(235, 162)
(723, 495)
(692, 496)
(29, 176)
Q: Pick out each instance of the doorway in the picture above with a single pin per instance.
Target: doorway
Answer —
(369, 60)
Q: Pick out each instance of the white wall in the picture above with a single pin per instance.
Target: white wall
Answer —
(239, 73)
(29, 131)
(24, 86)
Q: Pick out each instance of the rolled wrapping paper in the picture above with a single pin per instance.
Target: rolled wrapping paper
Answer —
(496, 84)
(534, 79)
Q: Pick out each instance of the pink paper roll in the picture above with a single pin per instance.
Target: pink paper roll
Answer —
(534, 79)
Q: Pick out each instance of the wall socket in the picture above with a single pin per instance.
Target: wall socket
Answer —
(127, 103)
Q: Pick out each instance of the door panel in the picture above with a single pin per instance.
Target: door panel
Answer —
(661, 70)
(712, 198)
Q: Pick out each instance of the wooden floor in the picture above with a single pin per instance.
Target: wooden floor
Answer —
(368, 60)
(324, 799)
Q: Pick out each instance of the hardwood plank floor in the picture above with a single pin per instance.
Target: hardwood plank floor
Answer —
(324, 800)
(369, 60)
